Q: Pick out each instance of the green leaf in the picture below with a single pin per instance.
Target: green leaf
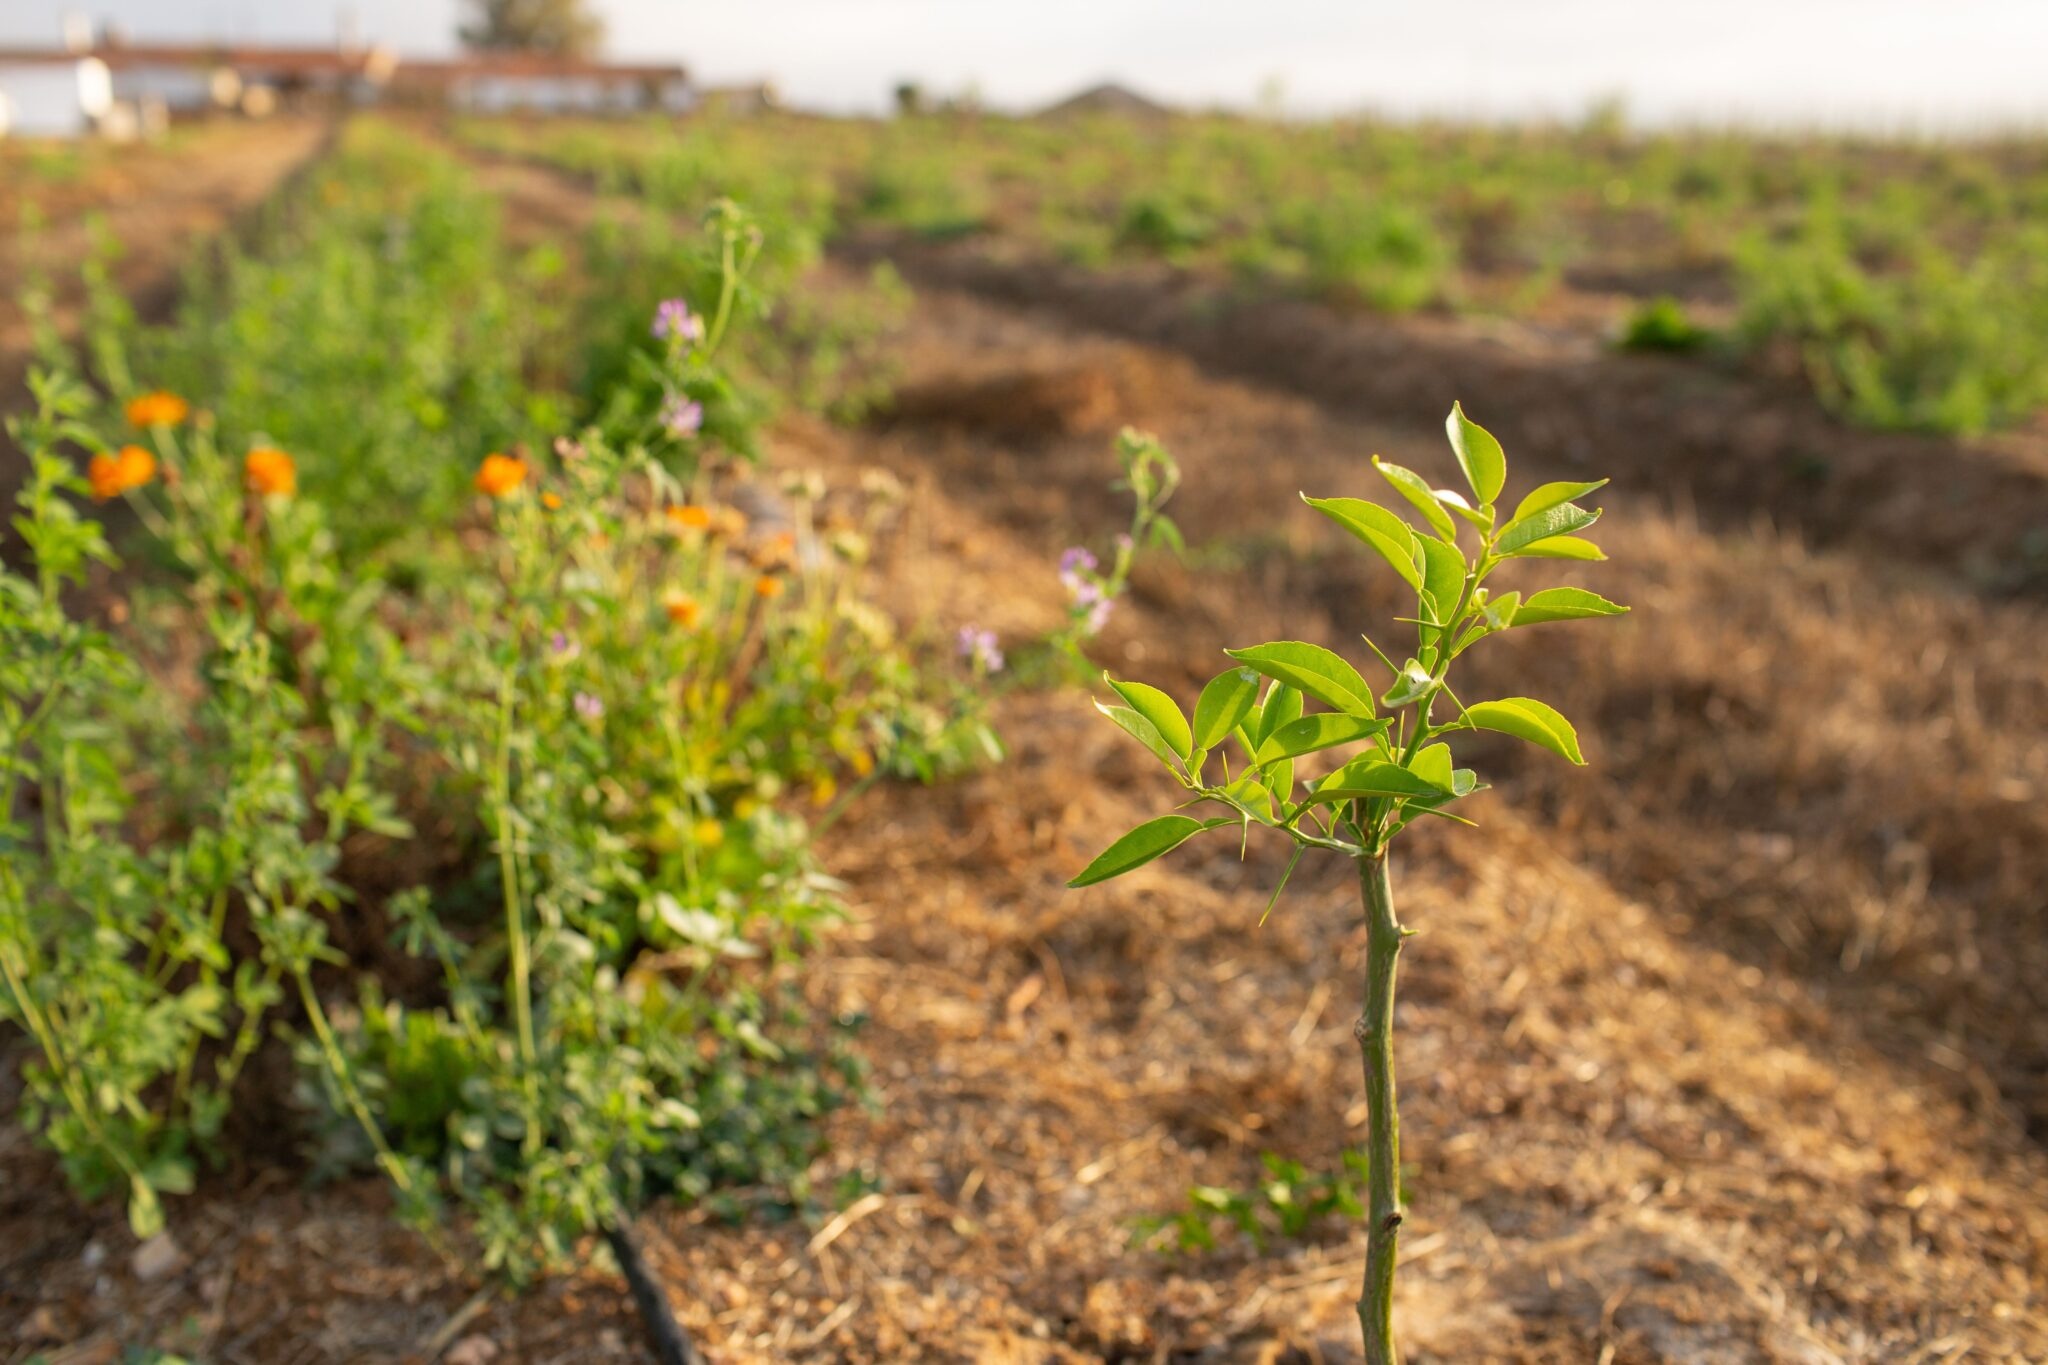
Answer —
(1282, 707)
(1415, 683)
(1552, 521)
(1223, 705)
(1148, 841)
(1312, 734)
(1279, 779)
(1416, 489)
(1309, 668)
(1443, 581)
(1559, 547)
(1551, 494)
(1380, 529)
(1463, 783)
(1248, 797)
(1433, 765)
(1479, 455)
(1140, 729)
(1480, 517)
(1285, 877)
(1157, 707)
(1564, 604)
(1526, 718)
(1369, 777)
(145, 1213)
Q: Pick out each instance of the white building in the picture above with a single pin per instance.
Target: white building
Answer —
(60, 95)
(502, 83)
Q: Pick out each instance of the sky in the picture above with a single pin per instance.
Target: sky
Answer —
(1892, 64)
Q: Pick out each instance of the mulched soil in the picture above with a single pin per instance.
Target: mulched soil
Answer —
(1726, 1049)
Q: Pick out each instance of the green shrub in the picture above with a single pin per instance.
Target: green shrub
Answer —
(1662, 324)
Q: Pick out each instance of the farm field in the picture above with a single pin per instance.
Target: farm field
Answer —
(1900, 282)
(1724, 1049)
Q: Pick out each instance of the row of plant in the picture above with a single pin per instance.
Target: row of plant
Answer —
(1902, 278)
(437, 778)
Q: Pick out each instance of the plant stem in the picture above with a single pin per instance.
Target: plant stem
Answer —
(515, 920)
(1375, 1033)
(345, 1081)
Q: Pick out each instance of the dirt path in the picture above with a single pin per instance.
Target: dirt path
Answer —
(1723, 1050)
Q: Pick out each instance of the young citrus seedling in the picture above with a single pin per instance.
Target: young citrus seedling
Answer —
(1396, 744)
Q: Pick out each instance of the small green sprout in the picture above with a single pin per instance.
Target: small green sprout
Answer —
(1388, 756)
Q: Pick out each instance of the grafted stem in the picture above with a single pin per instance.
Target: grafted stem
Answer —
(1375, 1033)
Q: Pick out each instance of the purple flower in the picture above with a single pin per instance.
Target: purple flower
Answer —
(1075, 563)
(673, 321)
(1124, 543)
(1095, 604)
(681, 416)
(589, 707)
(979, 646)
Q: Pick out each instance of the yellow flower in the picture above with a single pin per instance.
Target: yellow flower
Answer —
(270, 472)
(681, 608)
(744, 808)
(690, 517)
(500, 475)
(862, 762)
(157, 409)
(823, 789)
(768, 586)
(113, 475)
(551, 500)
(709, 833)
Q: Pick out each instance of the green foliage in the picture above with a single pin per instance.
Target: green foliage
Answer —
(1366, 249)
(1907, 278)
(1405, 769)
(1287, 1206)
(1163, 227)
(1662, 324)
(1938, 342)
(548, 729)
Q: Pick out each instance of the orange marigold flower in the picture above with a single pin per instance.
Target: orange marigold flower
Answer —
(690, 517)
(767, 585)
(158, 409)
(681, 608)
(778, 552)
(500, 475)
(113, 475)
(271, 472)
(552, 501)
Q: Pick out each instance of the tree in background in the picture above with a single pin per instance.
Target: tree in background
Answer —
(561, 28)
